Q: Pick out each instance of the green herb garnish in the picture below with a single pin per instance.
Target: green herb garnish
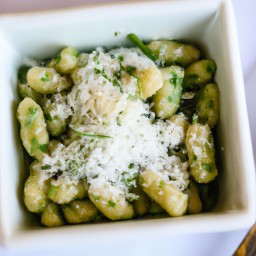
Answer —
(131, 165)
(118, 119)
(169, 98)
(117, 84)
(45, 167)
(135, 40)
(45, 78)
(36, 145)
(95, 135)
(211, 68)
(194, 158)
(57, 60)
(120, 58)
(161, 184)
(208, 167)
(96, 58)
(32, 115)
(102, 72)
(211, 104)
(111, 203)
(175, 79)
(146, 115)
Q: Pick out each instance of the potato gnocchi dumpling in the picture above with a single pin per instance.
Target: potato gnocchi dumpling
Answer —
(119, 134)
(167, 99)
(33, 132)
(173, 52)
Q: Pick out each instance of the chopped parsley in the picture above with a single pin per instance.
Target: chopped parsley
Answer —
(120, 58)
(102, 72)
(95, 135)
(57, 60)
(138, 85)
(175, 79)
(161, 184)
(117, 84)
(129, 179)
(146, 115)
(117, 33)
(96, 58)
(112, 56)
(118, 119)
(45, 78)
(114, 82)
(33, 113)
(132, 97)
(35, 145)
(73, 167)
(45, 167)
(131, 165)
(111, 203)
(208, 167)
(211, 104)
(169, 98)
(211, 68)
(130, 70)
(194, 158)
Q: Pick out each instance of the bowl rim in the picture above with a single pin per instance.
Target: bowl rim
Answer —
(248, 214)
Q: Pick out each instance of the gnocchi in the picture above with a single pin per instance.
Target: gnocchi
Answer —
(119, 134)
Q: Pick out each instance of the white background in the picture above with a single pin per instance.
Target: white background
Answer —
(193, 245)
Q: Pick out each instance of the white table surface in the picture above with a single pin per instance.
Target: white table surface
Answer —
(216, 244)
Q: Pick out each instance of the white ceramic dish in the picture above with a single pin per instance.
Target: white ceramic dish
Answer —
(209, 23)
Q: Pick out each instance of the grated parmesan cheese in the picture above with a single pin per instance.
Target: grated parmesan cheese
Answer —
(131, 139)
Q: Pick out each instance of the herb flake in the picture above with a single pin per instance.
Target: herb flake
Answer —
(45, 78)
(33, 113)
(111, 203)
(94, 135)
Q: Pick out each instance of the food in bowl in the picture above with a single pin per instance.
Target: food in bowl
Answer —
(119, 133)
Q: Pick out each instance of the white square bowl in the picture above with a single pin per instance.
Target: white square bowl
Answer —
(210, 24)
